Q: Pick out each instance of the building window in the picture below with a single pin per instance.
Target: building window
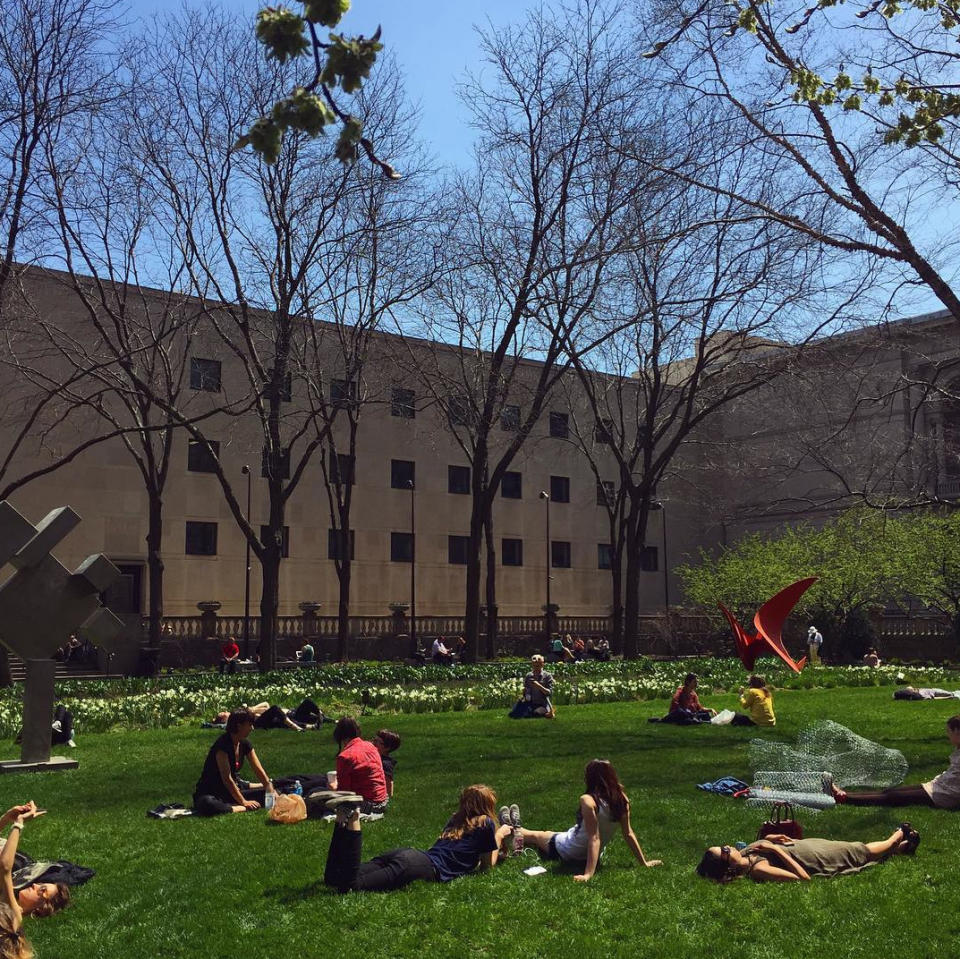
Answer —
(604, 556)
(343, 393)
(510, 419)
(511, 485)
(560, 489)
(204, 375)
(202, 457)
(201, 539)
(606, 493)
(402, 473)
(342, 469)
(401, 403)
(511, 552)
(285, 388)
(559, 425)
(458, 549)
(603, 431)
(559, 554)
(458, 479)
(459, 411)
(279, 462)
(284, 539)
(401, 547)
(649, 560)
(335, 539)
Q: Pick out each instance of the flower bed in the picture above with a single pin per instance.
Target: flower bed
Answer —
(101, 705)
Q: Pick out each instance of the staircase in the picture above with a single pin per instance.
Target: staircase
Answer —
(18, 670)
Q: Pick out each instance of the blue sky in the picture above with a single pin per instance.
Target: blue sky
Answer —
(434, 43)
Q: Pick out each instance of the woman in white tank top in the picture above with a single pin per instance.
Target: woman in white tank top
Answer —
(603, 808)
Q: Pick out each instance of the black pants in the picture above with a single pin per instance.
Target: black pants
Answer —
(228, 665)
(895, 796)
(308, 712)
(741, 719)
(65, 718)
(273, 718)
(392, 870)
(207, 805)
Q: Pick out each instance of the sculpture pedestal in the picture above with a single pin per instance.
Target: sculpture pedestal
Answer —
(51, 765)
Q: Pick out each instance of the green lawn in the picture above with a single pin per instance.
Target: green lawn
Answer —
(235, 887)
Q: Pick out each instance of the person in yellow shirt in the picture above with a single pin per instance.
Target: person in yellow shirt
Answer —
(757, 700)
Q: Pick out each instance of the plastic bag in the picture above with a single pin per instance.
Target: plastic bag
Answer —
(723, 718)
(289, 808)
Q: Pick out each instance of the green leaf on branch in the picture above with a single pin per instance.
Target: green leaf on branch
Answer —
(282, 32)
(327, 13)
(303, 111)
(349, 61)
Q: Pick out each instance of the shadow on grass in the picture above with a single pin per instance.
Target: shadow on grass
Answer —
(291, 895)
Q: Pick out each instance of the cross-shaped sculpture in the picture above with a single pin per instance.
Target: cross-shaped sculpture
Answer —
(41, 604)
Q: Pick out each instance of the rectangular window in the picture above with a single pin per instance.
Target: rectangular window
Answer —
(458, 479)
(402, 403)
(649, 560)
(603, 431)
(200, 459)
(342, 469)
(284, 539)
(335, 538)
(459, 411)
(201, 539)
(458, 549)
(279, 462)
(560, 489)
(511, 552)
(402, 474)
(204, 374)
(510, 419)
(401, 547)
(343, 393)
(511, 486)
(559, 554)
(604, 556)
(606, 493)
(559, 425)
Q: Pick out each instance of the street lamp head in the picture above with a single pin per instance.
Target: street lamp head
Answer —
(544, 494)
(245, 470)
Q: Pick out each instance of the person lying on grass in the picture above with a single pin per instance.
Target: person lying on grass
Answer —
(276, 717)
(778, 858)
(603, 807)
(942, 791)
(469, 841)
(217, 790)
(39, 899)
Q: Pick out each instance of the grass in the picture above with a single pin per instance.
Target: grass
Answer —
(232, 887)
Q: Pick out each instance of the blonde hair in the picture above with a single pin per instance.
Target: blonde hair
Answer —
(13, 943)
(477, 804)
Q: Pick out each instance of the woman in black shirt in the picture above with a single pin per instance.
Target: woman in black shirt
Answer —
(217, 790)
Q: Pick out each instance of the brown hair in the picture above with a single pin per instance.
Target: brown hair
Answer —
(758, 683)
(477, 804)
(347, 728)
(954, 722)
(13, 944)
(60, 899)
(238, 717)
(390, 739)
(714, 867)
(603, 784)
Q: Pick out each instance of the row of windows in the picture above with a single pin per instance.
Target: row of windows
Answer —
(205, 374)
(201, 458)
(201, 540)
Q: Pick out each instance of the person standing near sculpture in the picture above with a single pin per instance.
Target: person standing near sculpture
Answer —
(814, 642)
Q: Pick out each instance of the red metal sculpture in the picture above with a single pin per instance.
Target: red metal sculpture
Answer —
(769, 623)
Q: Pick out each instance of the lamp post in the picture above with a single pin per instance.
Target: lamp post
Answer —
(246, 584)
(548, 609)
(413, 565)
(658, 505)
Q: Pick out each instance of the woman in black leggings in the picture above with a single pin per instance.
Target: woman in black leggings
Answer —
(942, 791)
(470, 839)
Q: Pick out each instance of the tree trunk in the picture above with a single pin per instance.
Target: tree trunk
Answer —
(631, 602)
(491, 589)
(616, 603)
(154, 567)
(471, 619)
(343, 603)
(269, 604)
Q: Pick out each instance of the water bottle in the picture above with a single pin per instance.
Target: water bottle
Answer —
(268, 800)
(297, 788)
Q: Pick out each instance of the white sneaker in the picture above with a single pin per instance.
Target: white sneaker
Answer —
(71, 744)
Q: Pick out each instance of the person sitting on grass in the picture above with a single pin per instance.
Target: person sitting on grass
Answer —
(218, 790)
(871, 659)
(537, 687)
(685, 707)
(942, 791)
(469, 840)
(37, 899)
(603, 807)
(778, 858)
(757, 700)
(359, 767)
(386, 741)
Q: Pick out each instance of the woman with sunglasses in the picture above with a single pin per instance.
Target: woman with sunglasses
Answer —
(779, 858)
